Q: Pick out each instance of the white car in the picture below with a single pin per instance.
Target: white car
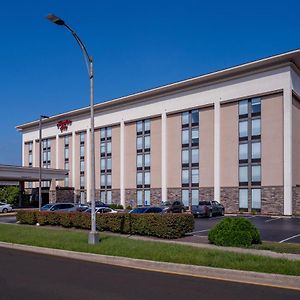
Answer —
(4, 208)
(102, 210)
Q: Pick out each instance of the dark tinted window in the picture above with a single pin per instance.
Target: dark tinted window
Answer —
(204, 202)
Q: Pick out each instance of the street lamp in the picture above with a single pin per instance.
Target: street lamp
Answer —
(93, 235)
(40, 165)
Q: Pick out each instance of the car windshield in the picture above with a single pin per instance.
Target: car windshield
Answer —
(139, 210)
(204, 202)
(166, 203)
(47, 206)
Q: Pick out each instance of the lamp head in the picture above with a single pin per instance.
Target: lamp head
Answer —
(56, 20)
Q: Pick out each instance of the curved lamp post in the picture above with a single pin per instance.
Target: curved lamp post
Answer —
(93, 235)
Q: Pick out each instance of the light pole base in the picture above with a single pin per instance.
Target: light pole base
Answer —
(94, 238)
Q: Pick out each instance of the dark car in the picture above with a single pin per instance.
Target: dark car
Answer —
(173, 207)
(146, 210)
(59, 207)
(208, 209)
(100, 204)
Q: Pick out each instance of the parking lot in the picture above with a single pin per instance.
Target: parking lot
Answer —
(274, 229)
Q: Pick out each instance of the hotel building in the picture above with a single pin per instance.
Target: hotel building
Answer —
(232, 135)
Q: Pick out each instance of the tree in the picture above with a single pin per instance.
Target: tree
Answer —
(10, 194)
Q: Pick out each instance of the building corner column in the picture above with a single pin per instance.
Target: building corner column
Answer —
(287, 150)
(164, 191)
(122, 164)
(217, 124)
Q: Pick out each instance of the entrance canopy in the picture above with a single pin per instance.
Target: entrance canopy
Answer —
(16, 173)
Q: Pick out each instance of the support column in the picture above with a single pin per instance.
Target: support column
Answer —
(287, 150)
(56, 155)
(122, 163)
(87, 155)
(73, 163)
(164, 193)
(21, 192)
(217, 123)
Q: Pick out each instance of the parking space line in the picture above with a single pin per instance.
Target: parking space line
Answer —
(251, 217)
(199, 231)
(272, 219)
(290, 238)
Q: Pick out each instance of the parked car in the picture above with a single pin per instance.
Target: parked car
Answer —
(208, 209)
(100, 204)
(102, 210)
(173, 207)
(146, 210)
(59, 207)
(82, 207)
(4, 208)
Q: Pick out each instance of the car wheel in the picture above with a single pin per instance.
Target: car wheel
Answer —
(5, 210)
(210, 214)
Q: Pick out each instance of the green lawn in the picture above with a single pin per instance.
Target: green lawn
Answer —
(122, 246)
(280, 248)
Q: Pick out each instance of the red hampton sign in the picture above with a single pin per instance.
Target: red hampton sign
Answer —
(63, 125)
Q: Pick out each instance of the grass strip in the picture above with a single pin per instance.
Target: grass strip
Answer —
(122, 246)
(280, 248)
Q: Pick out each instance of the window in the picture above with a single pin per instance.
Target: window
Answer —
(82, 151)
(185, 137)
(139, 197)
(147, 126)
(255, 106)
(185, 177)
(195, 136)
(256, 198)
(139, 127)
(102, 164)
(243, 129)
(109, 164)
(243, 151)
(139, 178)
(255, 127)
(108, 132)
(147, 197)
(102, 133)
(256, 150)
(195, 117)
(195, 197)
(195, 176)
(81, 166)
(139, 143)
(243, 107)
(102, 180)
(147, 178)
(185, 197)
(82, 183)
(81, 137)
(108, 149)
(108, 179)
(244, 174)
(66, 153)
(147, 160)
(256, 174)
(195, 156)
(185, 118)
(66, 140)
(147, 142)
(243, 198)
(108, 197)
(185, 157)
(139, 161)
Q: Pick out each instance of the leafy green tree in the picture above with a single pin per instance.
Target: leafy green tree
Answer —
(10, 194)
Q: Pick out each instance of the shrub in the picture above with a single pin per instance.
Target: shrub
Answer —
(234, 232)
(27, 217)
(166, 226)
(129, 207)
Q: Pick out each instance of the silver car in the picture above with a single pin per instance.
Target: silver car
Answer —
(4, 207)
(59, 207)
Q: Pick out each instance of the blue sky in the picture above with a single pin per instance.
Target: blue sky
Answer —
(136, 45)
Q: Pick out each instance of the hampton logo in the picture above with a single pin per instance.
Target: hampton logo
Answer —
(63, 125)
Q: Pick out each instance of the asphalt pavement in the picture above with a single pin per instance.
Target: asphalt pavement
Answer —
(26, 275)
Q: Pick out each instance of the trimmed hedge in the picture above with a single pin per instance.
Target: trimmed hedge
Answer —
(234, 232)
(167, 226)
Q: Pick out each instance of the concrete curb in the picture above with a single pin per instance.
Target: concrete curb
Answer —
(264, 279)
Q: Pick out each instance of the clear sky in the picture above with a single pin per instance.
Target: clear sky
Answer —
(136, 45)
